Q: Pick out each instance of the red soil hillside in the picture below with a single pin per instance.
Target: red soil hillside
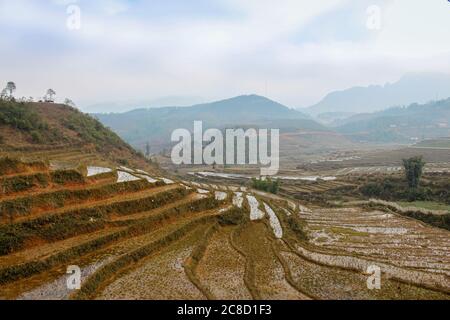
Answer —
(38, 130)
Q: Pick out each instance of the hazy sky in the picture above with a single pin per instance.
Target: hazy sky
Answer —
(293, 51)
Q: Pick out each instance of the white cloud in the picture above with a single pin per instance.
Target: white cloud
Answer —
(119, 54)
(415, 28)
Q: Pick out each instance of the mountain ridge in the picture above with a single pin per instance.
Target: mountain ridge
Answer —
(252, 100)
(140, 125)
(411, 88)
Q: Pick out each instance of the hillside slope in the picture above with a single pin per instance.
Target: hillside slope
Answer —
(30, 128)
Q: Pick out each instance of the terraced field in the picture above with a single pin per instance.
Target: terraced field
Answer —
(443, 167)
(136, 234)
(295, 188)
(64, 157)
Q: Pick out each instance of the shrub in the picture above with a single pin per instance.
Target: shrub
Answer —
(234, 216)
(420, 194)
(9, 165)
(9, 242)
(296, 226)
(67, 176)
(384, 189)
(123, 162)
(36, 137)
(267, 185)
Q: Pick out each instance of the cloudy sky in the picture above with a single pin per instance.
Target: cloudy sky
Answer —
(293, 51)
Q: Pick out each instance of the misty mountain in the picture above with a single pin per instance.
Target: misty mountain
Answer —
(412, 88)
(156, 125)
(124, 106)
(400, 124)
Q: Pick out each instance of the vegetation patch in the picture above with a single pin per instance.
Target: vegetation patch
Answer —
(294, 226)
(63, 177)
(104, 176)
(233, 216)
(28, 182)
(92, 131)
(24, 183)
(267, 185)
(22, 116)
(10, 166)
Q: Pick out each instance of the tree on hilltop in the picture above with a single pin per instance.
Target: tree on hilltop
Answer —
(10, 87)
(50, 94)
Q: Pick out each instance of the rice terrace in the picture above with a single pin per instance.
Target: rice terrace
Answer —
(139, 233)
(337, 187)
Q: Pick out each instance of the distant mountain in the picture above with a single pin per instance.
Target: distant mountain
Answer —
(400, 124)
(124, 106)
(418, 87)
(156, 125)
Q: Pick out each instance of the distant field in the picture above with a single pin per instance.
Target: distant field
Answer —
(430, 205)
(440, 143)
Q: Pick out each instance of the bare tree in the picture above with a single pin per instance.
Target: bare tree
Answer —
(50, 94)
(11, 87)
